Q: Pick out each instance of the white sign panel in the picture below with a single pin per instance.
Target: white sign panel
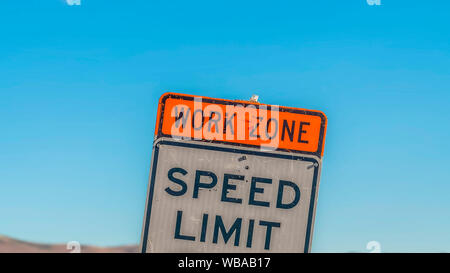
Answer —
(219, 198)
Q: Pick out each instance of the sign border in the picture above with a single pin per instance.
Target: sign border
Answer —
(308, 236)
(323, 124)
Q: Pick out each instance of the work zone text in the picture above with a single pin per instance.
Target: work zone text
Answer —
(269, 127)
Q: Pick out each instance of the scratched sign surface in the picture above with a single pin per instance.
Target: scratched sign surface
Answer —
(214, 196)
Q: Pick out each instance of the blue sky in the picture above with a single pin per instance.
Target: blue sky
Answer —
(79, 87)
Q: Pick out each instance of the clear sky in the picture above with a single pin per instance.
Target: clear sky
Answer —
(79, 87)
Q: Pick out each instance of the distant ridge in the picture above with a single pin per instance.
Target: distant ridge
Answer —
(10, 245)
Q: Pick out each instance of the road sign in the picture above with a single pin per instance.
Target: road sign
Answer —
(241, 123)
(224, 193)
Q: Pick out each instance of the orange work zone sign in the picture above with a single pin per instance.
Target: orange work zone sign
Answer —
(241, 123)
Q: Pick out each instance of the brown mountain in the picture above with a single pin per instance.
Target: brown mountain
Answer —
(10, 245)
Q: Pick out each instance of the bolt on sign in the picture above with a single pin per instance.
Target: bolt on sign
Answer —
(232, 176)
